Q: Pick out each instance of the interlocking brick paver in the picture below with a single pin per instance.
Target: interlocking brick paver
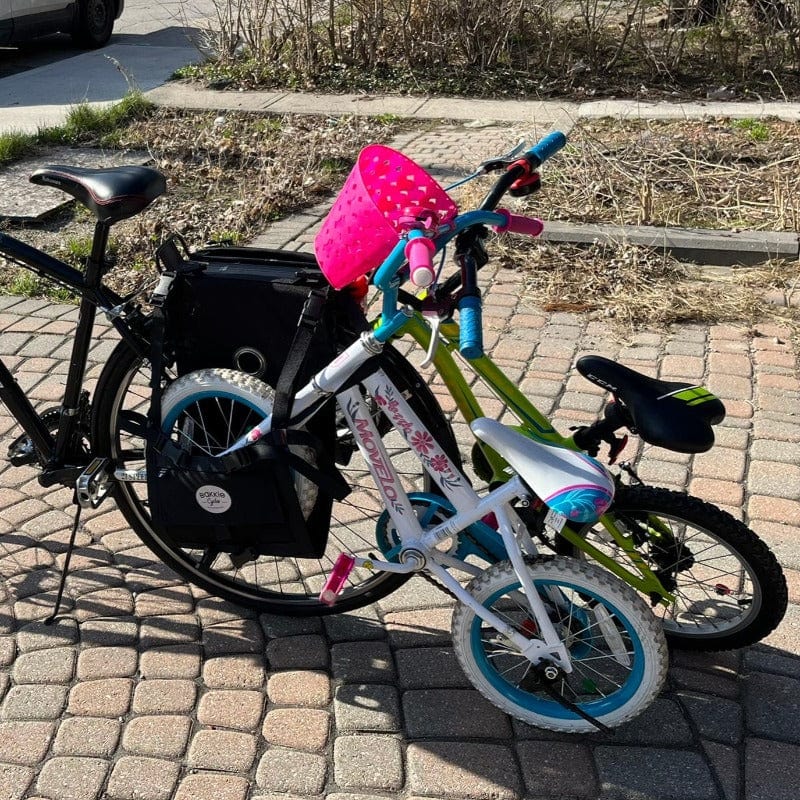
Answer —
(162, 631)
(15, 780)
(306, 688)
(663, 723)
(239, 636)
(233, 672)
(38, 636)
(358, 662)
(158, 736)
(175, 661)
(368, 762)
(293, 652)
(628, 772)
(557, 769)
(287, 771)
(110, 697)
(107, 662)
(87, 736)
(771, 707)
(45, 666)
(25, 742)
(69, 778)
(456, 713)
(33, 701)
(367, 707)
(230, 709)
(725, 762)
(218, 786)
(137, 778)
(772, 770)
(160, 696)
(429, 667)
(227, 751)
(118, 632)
(299, 729)
(463, 770)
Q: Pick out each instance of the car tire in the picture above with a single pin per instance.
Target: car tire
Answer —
(94, 22)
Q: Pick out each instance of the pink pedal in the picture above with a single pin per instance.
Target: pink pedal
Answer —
(337, 579)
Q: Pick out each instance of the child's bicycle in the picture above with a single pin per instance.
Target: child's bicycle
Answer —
(713, 583)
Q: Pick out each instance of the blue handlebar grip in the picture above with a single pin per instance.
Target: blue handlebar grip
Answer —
(549, 146)
(470, 341)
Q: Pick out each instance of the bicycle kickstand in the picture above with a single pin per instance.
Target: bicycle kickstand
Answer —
(91, 489)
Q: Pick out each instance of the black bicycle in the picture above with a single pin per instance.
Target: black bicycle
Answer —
(96, 443)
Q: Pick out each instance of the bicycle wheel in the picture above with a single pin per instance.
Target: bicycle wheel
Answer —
(276, 585)
(729, 588)
(617, 648)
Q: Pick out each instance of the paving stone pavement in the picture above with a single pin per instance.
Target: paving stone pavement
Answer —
(148, 689)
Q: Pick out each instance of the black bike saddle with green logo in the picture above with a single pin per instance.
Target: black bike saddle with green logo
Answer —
(669, 414)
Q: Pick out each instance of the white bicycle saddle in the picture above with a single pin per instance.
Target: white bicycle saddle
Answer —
(571, 483)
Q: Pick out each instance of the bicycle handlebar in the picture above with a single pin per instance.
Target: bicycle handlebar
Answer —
(418, 250)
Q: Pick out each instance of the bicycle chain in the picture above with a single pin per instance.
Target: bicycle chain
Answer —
(435, 582)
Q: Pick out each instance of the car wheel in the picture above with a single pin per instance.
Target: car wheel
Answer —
(94, 22)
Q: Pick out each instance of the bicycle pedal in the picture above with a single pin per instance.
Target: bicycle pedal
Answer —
(93, 484)
(21, 452)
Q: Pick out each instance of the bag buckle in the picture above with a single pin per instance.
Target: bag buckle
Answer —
(160, 293)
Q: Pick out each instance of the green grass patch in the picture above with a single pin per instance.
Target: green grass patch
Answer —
(15, 145)
(27, 284)
(755, 129)
(87, 123)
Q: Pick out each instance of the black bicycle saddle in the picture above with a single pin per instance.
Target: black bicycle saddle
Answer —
(110, 194)
(677, 416)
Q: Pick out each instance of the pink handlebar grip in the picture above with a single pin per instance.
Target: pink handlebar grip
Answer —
(337, 579)
(529, 226)
(419, 252)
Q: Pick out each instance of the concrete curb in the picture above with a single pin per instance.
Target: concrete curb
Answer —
(565, 112)
(699, 245)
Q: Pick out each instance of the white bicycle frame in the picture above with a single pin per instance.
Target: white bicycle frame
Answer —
(418, 546)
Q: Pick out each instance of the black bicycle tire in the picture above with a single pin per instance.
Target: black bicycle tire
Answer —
(120, 366)
(760, 560)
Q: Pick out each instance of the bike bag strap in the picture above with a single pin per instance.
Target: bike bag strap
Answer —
(271, 446)
(569, 482)
(676, 416)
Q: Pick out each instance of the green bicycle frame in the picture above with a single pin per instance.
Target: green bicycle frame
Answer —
(533, 424)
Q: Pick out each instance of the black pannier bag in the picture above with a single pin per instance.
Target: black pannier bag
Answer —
(271, 314)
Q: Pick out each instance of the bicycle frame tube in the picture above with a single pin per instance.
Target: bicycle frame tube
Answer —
(52, 451)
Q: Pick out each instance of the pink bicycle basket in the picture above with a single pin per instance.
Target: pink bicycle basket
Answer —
(364, 224)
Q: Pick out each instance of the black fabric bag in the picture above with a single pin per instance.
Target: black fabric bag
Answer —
(271, 314)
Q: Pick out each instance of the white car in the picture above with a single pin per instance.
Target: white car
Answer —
(89, 22)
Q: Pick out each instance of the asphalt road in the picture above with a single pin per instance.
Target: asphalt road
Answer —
(170, 23)
(42, 80)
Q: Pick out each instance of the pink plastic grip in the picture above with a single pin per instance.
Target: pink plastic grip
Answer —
(337, 579)
(529, 226)
(419, 252)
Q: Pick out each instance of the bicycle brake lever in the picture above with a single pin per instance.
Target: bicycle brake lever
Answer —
(499, 162)
(435, 323)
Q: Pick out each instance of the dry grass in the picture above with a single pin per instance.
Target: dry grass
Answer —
(725, 174)
(635, 287)
(227, 177)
